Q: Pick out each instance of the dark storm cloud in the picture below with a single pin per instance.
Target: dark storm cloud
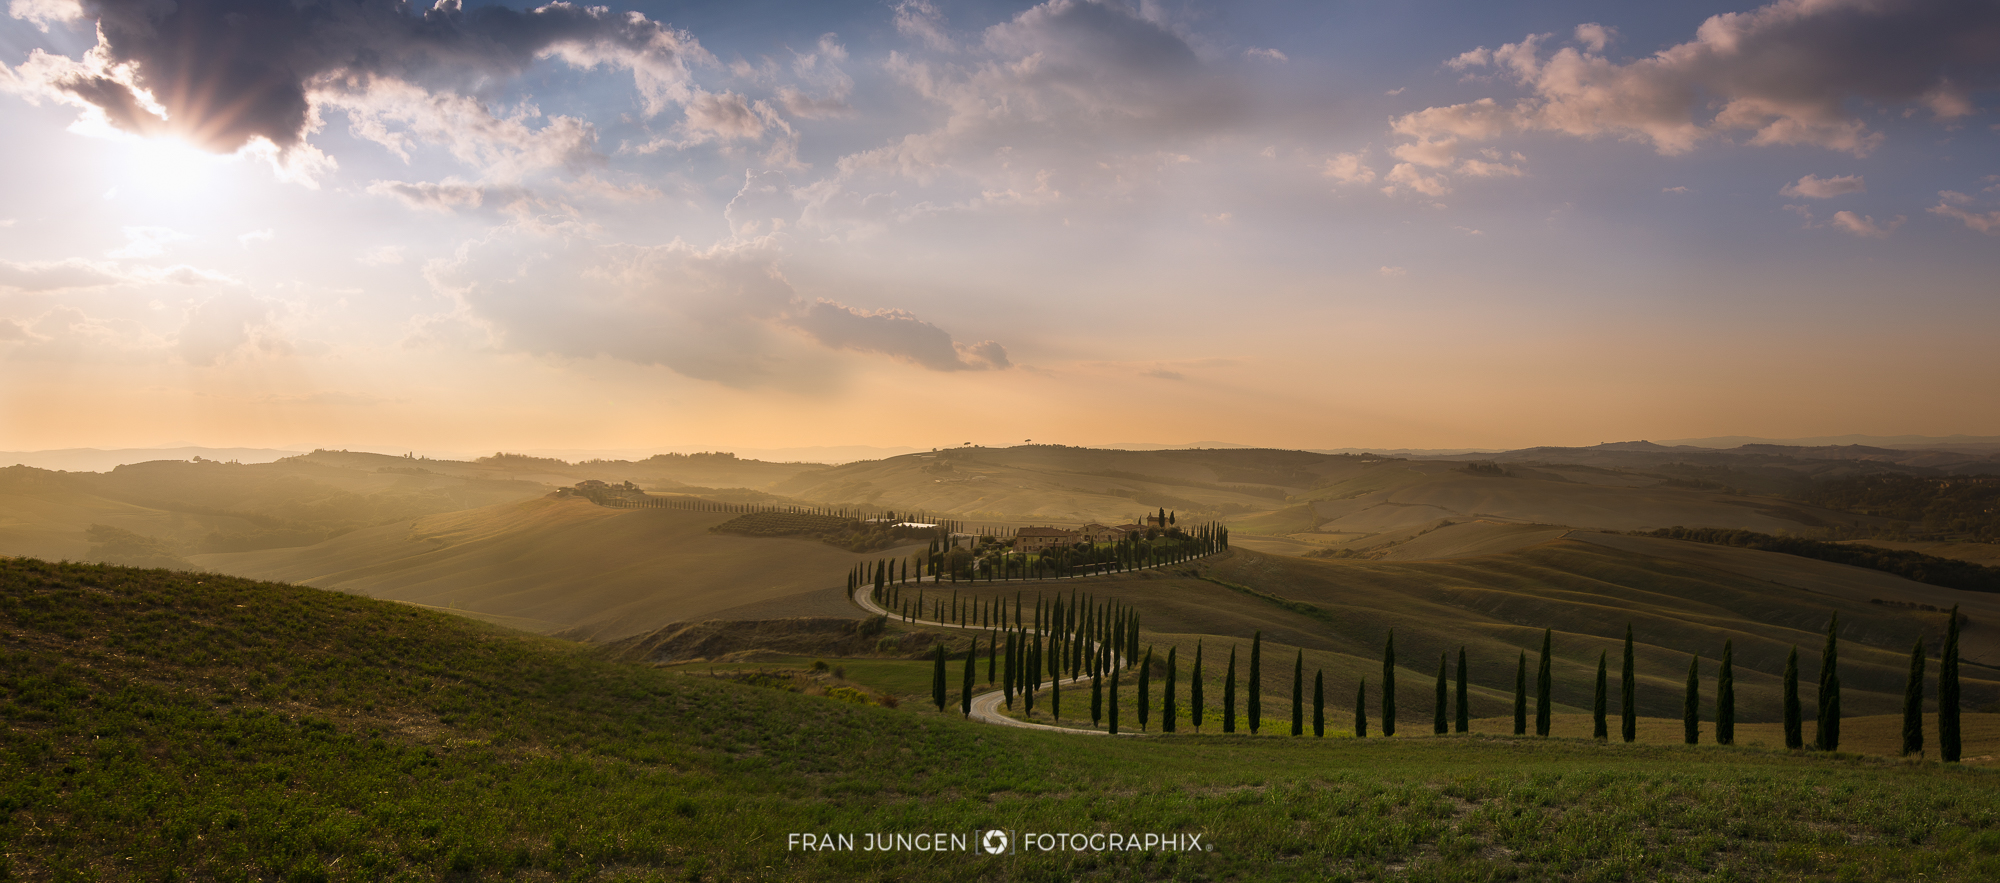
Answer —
(228, 71)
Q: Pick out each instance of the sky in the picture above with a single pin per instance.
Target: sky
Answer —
(486, 226)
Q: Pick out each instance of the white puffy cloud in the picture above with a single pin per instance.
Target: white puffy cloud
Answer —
(446, 196)
(44, 12)
(57, 275)
(1788, 73)
(1814, 187)
(1406, 176)
(220, 326)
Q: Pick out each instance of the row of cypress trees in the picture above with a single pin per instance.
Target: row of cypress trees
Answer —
(1099, 638)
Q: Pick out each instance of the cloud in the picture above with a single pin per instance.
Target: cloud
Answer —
(1951, 204)
(146, 242)
(899, 334)
(229, 73)
(1675, 190)
(1812, 187)
(1595, 37)
(1163, 374)
(1090, 93)
(447, 196)
(1862, 225)
(57, 275)
(1347, 168)
(920, 20)
(725, 314)
(1406, 176)
(1267, 55)
(43, 12)
(220, 326)
(1789, 73)
(265, 235)
(12, 330)
(1393, 271)
(383, 256)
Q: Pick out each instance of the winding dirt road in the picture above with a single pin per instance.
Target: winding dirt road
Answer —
(986, 706)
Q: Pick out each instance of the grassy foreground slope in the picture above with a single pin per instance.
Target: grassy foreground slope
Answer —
(159, 725)
(553, 564)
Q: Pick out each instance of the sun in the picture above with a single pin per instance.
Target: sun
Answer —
(169, 167)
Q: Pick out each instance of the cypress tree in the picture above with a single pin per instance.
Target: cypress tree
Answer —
(971, 672)
(937, 679)
(1256, 682)
(992, 656)
(1007, 673)
(1145, 676)
(1114, 702)
(1464, 722)
(1691, 705)
(1628, 690)
(1521, 697)
(1319, 704)
(1948, 735)
(1167, 710)
(1438, 726)
(1389, 685)
(1544, 684)
(1229, 695)
(1827, 736)
(1794, 724)
(1913, 703)
(1055, 696)
(1299, 695)
(1599, 703)
(1361, 710)
(1194, 690)
(1096, 699)
(1725, 696)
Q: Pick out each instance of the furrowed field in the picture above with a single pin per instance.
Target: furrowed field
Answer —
(163, 725)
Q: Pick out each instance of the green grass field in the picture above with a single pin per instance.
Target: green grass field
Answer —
(160, 725)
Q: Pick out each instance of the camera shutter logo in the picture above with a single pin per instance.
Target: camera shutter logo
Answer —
(994, 841)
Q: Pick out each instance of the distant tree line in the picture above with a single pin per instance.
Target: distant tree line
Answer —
(1947, 572)
(1963, 505)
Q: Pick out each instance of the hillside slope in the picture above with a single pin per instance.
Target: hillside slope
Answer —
(558, 564)
(156, 725)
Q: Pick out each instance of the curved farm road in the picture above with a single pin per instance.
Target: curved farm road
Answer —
(986, 706)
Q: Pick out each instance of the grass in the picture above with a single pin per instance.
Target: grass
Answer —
(158, 725)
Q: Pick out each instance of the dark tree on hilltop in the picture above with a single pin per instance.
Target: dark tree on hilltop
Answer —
(1299, 695)
(971, 672)
(1521, 696)
(937, 679)
(1544, 684)
(1913, 703)
(1256, 683)
(1319, 704)
(1113, 701)
(1389, 685)
(1691, 705)
(1827, 738)
(1438, 725)
(1794, 719)
(1948, 722)
(1229, 695)
(1725, 696)
(1145, 677)
(1628, 699)
(1464, 722)
(1361, 710)
(1194, 690)
(1599, 703)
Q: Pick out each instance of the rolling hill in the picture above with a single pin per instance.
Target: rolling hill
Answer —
(564, 564)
